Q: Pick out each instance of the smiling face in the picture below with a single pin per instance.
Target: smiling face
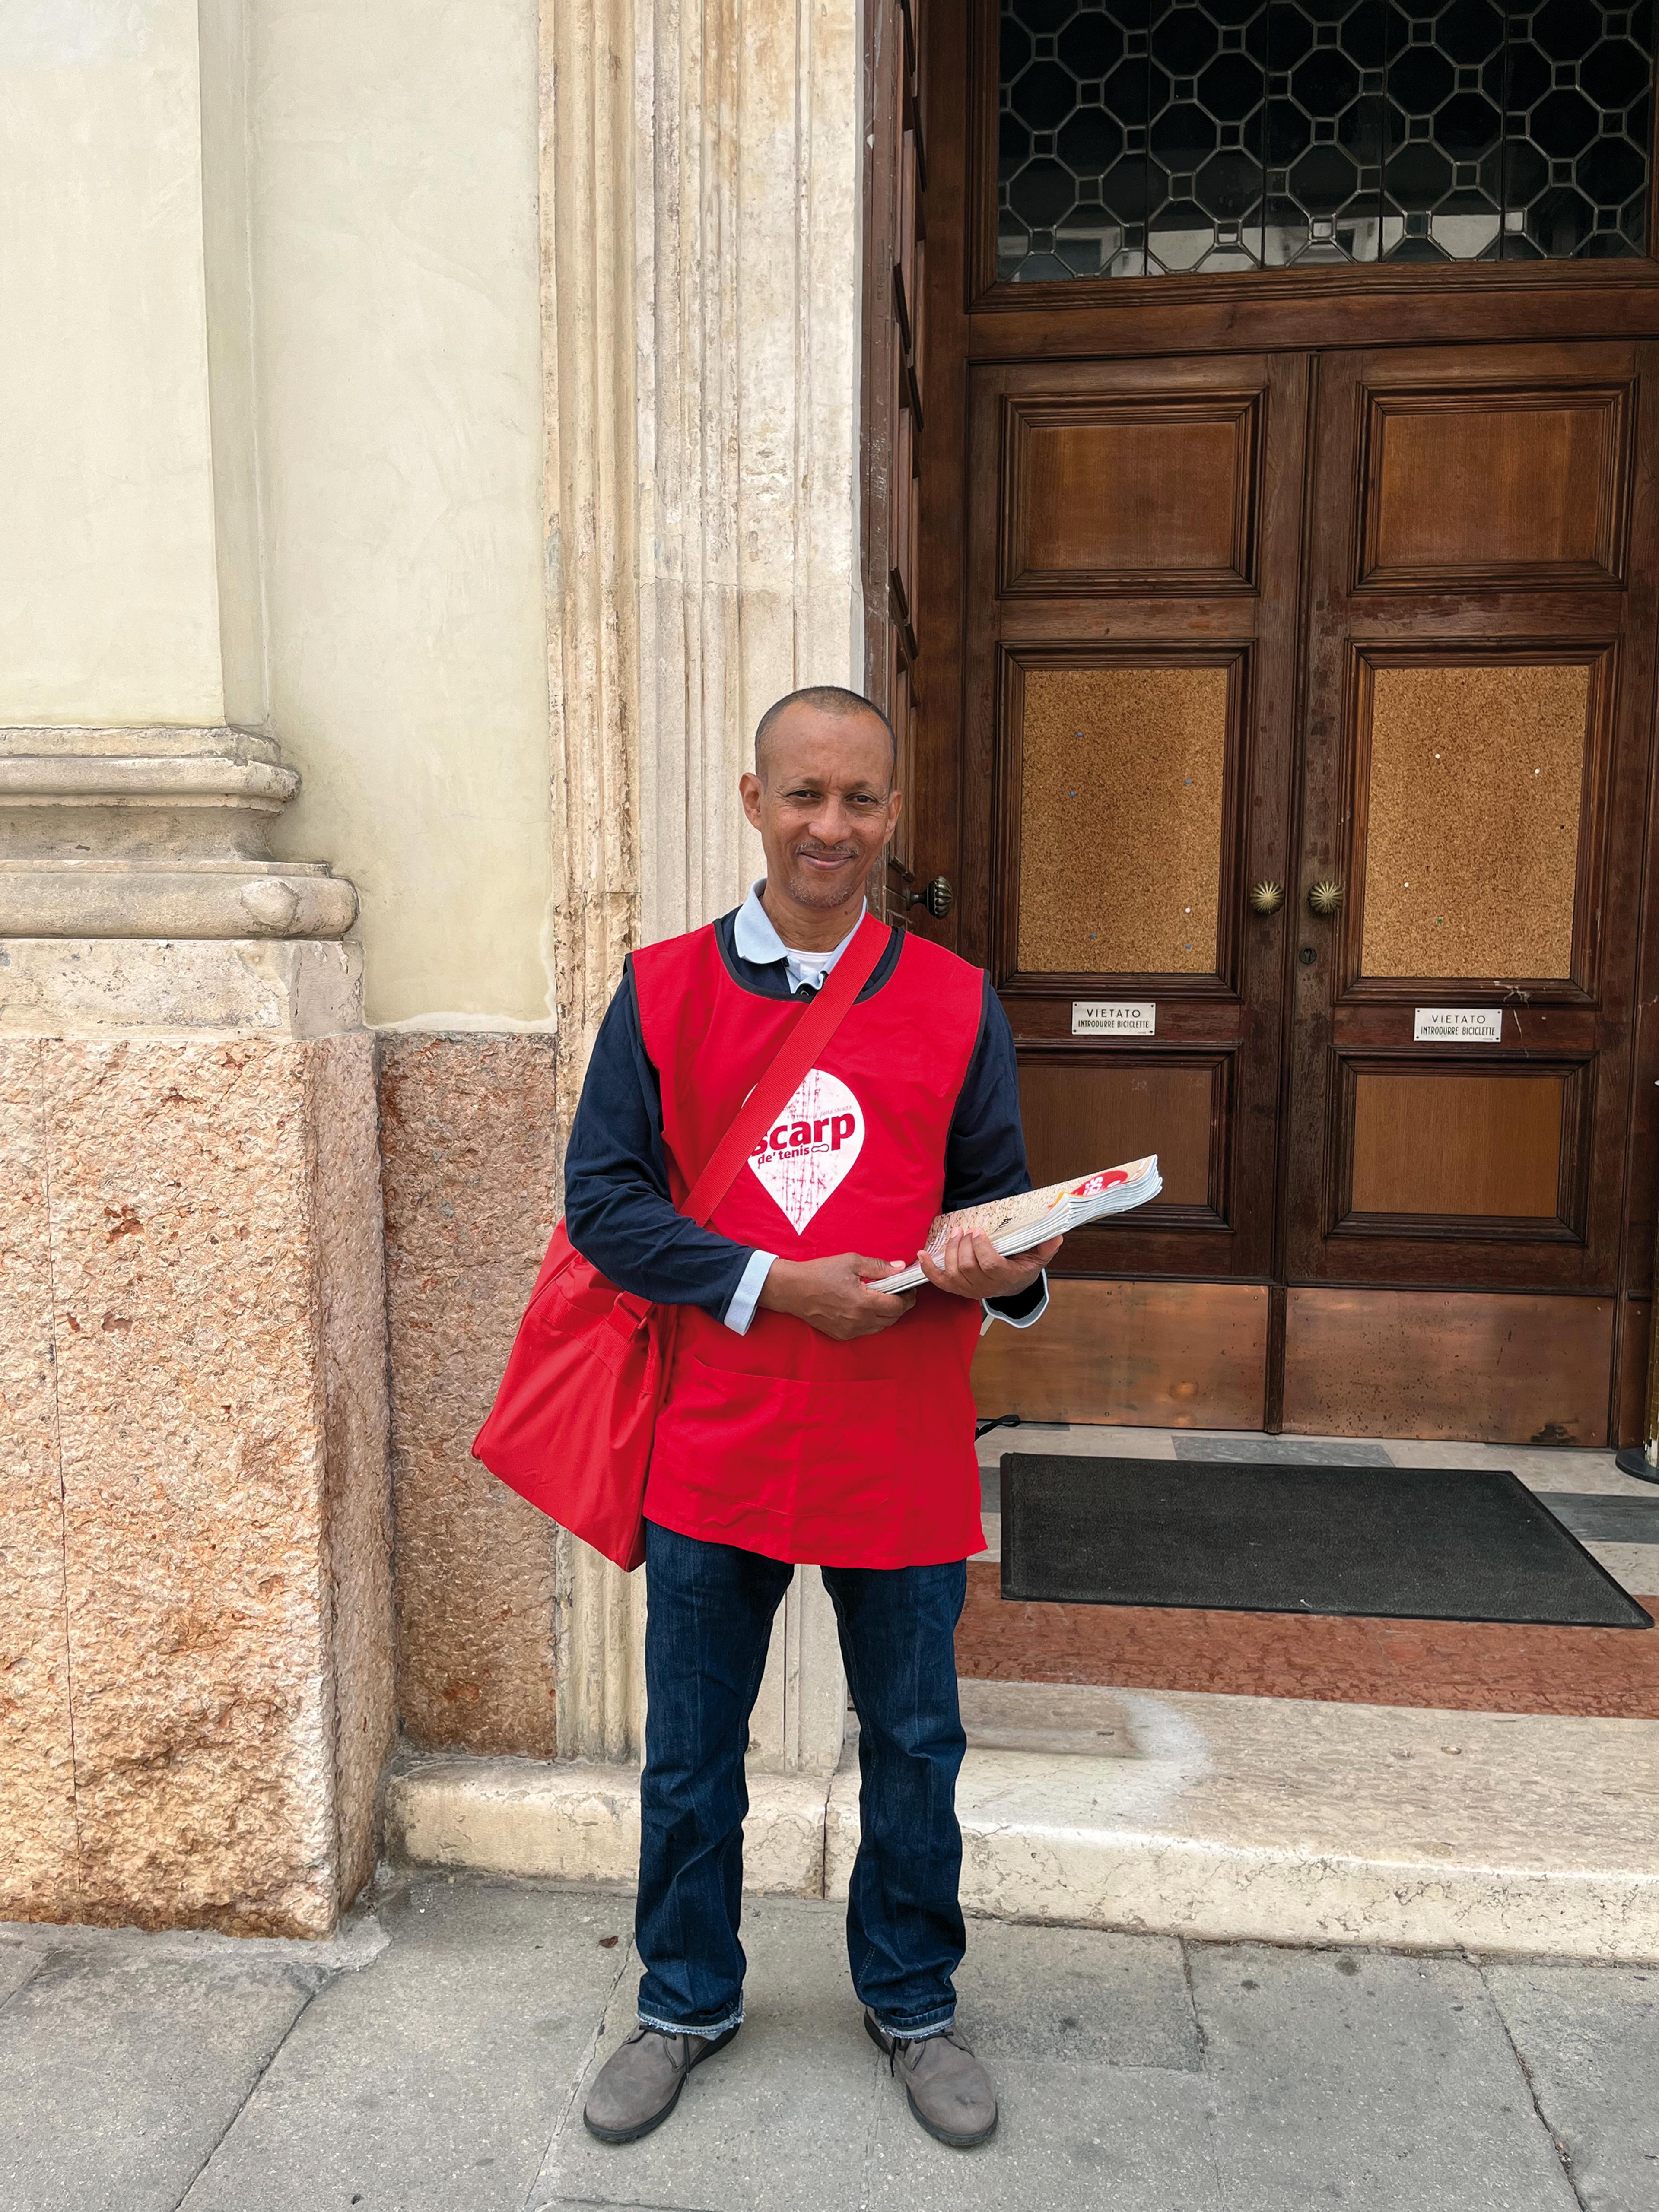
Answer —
(824, 805)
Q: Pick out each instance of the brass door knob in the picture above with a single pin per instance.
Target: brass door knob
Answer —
(937, 898)
(1325, 897)
(1267, 898)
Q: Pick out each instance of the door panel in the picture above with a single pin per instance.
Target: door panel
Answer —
(1153, 1355)
(1466, 1146)
(1174, 1108)
(1137, 494)
(1498, 1370)
(1477, 697)
(1135, 542)
(1507, 487)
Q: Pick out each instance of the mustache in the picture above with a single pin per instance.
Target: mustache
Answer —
(825, 852)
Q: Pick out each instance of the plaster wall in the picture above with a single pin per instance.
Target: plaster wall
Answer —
(395, 259)
(108, 592)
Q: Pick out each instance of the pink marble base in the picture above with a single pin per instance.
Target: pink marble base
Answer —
(196, 1693)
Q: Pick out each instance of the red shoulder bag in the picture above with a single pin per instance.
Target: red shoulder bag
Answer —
(573, 1421)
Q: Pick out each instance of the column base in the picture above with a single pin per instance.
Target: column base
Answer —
(282, 988)
(195, 1525)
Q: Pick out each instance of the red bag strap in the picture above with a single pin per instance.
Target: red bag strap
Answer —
(805, 1040)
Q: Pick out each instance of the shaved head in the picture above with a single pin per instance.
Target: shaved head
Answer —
(823, 699)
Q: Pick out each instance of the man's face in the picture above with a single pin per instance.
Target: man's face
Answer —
(824, 803)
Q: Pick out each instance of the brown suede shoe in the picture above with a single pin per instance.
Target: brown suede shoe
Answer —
(950, 2092)
(640, 2084)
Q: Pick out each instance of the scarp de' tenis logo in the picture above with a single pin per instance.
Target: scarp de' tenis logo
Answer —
(809, 1149)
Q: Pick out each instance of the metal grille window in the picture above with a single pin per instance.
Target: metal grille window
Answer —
(1153, 137)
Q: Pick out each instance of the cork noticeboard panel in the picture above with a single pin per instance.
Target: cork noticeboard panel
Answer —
(1119, 826)
(1472, 836)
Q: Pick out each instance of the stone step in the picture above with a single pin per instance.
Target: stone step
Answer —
(1220, 1818)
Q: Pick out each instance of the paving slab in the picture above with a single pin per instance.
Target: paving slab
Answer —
(1541, 1466)
(1598, 1516)
(1090, 1440)
(1379, 2082)
(17, 1962)
(119, 2071)
(1590, 2041)
(1065, 1995)
(779, 2120)
(1069, 2136)
(1281, 1451)
(431, 2081)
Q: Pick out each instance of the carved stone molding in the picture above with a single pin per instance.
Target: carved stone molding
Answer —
(701, 162)
(154, 833)
(138, 888)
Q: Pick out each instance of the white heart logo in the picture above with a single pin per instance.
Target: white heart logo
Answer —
(808, 1150)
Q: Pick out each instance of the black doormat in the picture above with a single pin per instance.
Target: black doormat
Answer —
(1417, 1543)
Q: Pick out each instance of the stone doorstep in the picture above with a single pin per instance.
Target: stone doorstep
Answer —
(1224, 1818)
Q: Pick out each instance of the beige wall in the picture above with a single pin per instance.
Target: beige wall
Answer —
(276, 458)
(108, 597)
(397, 329)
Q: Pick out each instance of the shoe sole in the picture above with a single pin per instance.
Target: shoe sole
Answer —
(632, 2135)
(938, 2134)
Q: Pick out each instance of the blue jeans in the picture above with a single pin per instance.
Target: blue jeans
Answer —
(708, 1619)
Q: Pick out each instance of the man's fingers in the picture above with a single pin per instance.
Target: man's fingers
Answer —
(867, 1270)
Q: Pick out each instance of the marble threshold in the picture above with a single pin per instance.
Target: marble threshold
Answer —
(1190, 1813)
(1231, 1818)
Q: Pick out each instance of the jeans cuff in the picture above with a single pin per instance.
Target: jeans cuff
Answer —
(678, 2026)
(918, 2035)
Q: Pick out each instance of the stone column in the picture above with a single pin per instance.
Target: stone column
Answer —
(700, 173)
(194, 1515)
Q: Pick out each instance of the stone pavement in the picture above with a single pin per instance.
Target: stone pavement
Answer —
(431, 2058)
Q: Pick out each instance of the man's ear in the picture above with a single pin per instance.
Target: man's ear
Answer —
(749, 788)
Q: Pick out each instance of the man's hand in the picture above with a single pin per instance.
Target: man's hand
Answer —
(970, 1266)
(832, 1294)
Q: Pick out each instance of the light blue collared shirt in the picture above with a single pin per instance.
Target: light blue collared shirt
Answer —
(758, 940)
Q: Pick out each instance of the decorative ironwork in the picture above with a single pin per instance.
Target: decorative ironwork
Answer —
(1141, 137)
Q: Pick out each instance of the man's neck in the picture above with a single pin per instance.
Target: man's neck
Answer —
(810, 928)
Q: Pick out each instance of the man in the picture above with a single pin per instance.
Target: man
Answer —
(809, 1418)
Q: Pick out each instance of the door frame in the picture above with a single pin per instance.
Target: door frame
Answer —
(936, 61)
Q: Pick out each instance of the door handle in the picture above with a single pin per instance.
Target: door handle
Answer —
(1325, 896)
(1267, 898)
(937, 898)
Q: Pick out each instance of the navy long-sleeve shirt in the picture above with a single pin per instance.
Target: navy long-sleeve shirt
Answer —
(618, 1211)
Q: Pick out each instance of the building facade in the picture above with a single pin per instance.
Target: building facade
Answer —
(1222, 437)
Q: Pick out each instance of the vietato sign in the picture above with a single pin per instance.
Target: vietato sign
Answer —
(1458, 1025)
(1114, 1018)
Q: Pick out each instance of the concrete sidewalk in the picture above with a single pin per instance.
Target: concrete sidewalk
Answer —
(432, 2059)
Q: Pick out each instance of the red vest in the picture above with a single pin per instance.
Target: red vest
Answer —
(783, 1441)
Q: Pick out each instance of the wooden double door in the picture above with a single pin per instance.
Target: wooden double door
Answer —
(1307, 708)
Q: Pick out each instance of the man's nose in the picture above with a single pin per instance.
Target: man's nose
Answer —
(831, 822)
